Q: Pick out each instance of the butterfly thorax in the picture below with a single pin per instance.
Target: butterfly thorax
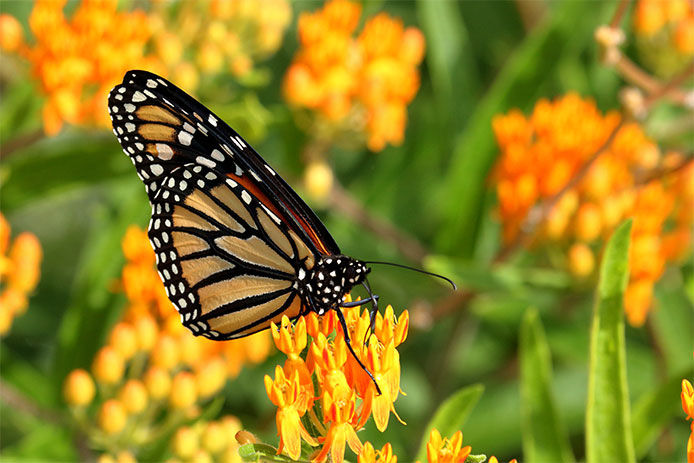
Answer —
(325, 285)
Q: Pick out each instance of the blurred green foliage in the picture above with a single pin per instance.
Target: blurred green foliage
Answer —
(78, 193)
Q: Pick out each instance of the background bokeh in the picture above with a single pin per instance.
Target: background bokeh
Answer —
(423, 133)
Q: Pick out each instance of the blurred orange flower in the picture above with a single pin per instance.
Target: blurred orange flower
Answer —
(361, 83)
(540, 154)
(20, 269)
(78, 59)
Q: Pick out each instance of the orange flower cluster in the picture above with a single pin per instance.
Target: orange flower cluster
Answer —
(688, 407)
(541, 153)
(20, 268)
(674, 18)
(152, 372)
(362, 83)
(343, 398)
(78, 60)
(216, 35)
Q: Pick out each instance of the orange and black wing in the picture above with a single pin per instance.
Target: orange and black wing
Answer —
(228, 232)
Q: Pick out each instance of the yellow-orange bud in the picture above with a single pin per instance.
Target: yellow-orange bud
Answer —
(211, 377)
(165, 352)
(210, 57)
(318, 179)
(214, 438)
(125, 457)
(134, 396)
(112, 416)
(11, 34)
(108, 365)
(185, 442)
(581, 260)
(201, 456)
(146, 332)
(124, 340)
(183, 392)
(158, 382)
(588, 222)
(26, 257)
(78, 388)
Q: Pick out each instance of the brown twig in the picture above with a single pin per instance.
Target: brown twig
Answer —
(348, 205)
(20, 142)
(14, 399)
(619, 13)
(654, 88)
(659, 173)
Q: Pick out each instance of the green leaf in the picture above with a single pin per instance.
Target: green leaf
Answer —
(93, 308)
(653, 410)
(544, 438)
(451, 415)
(608, 420)
(263, 452)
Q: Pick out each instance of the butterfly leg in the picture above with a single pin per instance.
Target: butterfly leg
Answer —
(343, 324)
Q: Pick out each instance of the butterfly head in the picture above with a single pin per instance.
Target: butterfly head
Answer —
(330, 279)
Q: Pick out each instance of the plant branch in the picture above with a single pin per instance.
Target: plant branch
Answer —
(20, 142)
(352, 208)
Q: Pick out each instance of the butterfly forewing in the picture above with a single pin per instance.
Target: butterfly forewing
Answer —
(165, 127)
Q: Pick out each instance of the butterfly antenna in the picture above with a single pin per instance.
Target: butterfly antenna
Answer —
(414, 269)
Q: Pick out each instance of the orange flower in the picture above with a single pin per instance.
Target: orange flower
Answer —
(361, 83)
(445, 450)
(285, 394)
(369, 455)
(688, 407)
(339, 408)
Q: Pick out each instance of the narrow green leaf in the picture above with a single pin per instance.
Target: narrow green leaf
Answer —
(608, 417)
(653, 410)
(544, 438)
(451, 415)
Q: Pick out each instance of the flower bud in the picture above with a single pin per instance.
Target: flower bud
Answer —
(112, 416)
(123, 339)
(215, 438)
(185, 442)
(158, 382)
(108, 365)
(78, 388)
(183, 392)
(581, 260)
(133, 395)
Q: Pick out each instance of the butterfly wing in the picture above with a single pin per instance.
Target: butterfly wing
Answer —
(227, 261)
(229, 234)
(166, 127)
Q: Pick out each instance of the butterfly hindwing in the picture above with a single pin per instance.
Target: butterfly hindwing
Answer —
(227, 262)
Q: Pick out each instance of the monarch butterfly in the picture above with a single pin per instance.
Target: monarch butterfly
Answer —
(235, 246)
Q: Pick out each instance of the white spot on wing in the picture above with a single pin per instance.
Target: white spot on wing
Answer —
(138, 96)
